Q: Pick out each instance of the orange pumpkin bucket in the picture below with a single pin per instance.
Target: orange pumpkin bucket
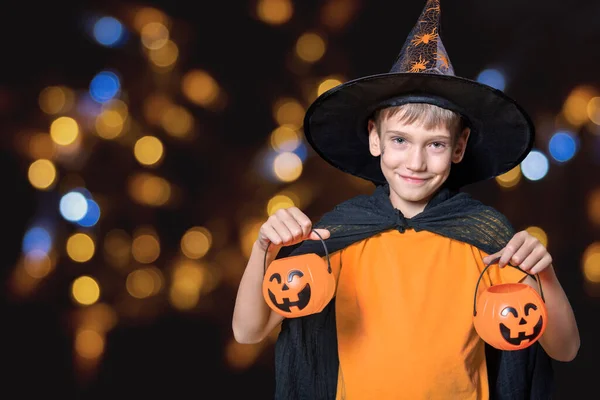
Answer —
(509, 316)
(299, 285)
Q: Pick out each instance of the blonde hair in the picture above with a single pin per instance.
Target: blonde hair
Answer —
(428, 115)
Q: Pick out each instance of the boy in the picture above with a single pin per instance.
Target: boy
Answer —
(407, 257)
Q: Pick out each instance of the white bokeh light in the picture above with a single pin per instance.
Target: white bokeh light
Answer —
(73, 206)
(535, 166)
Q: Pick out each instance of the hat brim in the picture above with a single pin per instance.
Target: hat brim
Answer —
(502, 134)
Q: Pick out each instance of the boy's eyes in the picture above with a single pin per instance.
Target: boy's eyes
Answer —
(436, 145)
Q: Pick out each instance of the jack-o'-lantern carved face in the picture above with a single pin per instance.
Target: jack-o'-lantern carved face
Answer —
(519, 325)
(298, 285)
(510, 316)
(293, 297)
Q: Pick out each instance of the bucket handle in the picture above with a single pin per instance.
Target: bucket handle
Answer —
(539, 282)
(324, 246)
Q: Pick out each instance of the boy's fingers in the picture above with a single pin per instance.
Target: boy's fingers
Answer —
(301, 219)
(491, 257)
(323, 232)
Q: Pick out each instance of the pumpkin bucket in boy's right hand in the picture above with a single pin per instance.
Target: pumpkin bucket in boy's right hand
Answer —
(509, 316)
(299, 285)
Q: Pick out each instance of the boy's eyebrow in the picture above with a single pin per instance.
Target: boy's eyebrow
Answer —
(438, 137)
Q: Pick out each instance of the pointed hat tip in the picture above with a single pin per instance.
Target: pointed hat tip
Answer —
(423, 50)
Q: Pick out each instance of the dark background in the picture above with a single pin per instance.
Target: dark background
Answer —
(546, 48)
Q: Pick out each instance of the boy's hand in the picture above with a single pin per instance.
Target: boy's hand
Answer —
(286, 227)
(523, 251)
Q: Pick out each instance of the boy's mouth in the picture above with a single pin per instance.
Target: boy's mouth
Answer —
(411, 179)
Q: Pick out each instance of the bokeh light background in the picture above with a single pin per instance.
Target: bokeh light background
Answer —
(143, 144)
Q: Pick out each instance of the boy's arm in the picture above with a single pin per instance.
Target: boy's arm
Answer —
(561, 337)
(253, 319)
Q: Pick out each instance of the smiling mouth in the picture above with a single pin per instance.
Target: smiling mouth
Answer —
(303, 299)
(412, 180)
(522, 336)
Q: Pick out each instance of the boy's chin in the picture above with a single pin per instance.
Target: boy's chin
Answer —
(415, 194)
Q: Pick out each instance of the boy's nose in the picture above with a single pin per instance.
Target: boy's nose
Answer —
(416, 160)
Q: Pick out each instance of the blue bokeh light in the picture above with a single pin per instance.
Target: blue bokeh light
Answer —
(92, 215)
(37, 239)
(562, 146)
(492, 77)
(535, 166)
(301, 151)
(105, 86)
(73, 206)
(108, 31)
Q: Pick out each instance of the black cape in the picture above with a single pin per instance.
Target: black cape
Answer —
(306, 359)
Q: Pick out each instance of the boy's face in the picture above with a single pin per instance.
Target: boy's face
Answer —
(415, 161)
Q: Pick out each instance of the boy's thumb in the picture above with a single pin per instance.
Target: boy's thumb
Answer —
(323, 232)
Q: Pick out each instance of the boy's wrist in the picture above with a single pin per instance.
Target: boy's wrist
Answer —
(271, 249)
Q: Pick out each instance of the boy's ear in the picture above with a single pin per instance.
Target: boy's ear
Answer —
(374, 142)
(458, 152)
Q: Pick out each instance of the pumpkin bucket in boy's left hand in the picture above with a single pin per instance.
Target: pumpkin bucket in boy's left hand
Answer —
(299, 285)
(509, 316)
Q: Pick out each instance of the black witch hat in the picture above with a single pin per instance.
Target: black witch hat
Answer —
(502, 133)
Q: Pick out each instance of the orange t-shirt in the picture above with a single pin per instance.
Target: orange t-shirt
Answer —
(404, 317)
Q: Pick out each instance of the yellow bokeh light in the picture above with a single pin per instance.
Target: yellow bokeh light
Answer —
(593, 206)
(539, 234)
(142, 283)
(64, 130)
(200, 88)
(591, 262)
(42, 174)
(310, 47)
(164, 56)
(248, 235)
(336, 14)
(328, 84)
(274, 12)
(289, 112)
(154, 35)
(89, 344)
(109, 124)
(575, 107)
(148, 150)
(149, 190)
(85, 290)
(285, 138)
(510, 179)
(187, 281)
(287, 166)
(99, 317)
(37, 264)
(118, 106)
(196, 242)
(293, 193)
(278, 202)
(148, 15)
(145, 248)
(56, 99)
(177, 121)
(80, 247)
(593, 110)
